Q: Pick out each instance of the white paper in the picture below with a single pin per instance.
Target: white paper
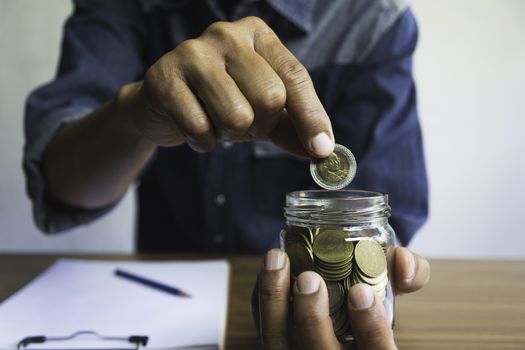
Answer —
(74, 295)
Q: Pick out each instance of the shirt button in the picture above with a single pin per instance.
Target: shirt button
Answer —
(227, 144)
(218, 239)
(220, 199)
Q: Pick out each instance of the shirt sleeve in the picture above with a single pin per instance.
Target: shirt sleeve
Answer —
(377, 117)
(101, 51)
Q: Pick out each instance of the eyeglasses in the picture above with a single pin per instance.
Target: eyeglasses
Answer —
(135, 342)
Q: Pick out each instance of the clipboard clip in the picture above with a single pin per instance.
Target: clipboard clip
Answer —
(137, 341)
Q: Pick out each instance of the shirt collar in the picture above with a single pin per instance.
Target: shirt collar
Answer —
(299, 12)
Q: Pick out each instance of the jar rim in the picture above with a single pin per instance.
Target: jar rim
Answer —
(336, 206)
(339, 195)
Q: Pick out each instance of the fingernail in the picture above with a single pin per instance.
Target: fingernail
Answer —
(411, 267)
(361, 296)
(322, 145)
(274, 260)
(308, 283)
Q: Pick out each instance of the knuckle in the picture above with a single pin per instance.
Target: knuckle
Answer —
(150, 76)
(198, 125)
(155, 75)
(157, 90)
(312, 320)
(189, 49)
(240, 117)
(293, 72)
(265, 37)
(221, 30)
(272, 97)
(374, 332)
(164, 71)
(270, 293)
(314, 124)
(227, 35)
(255, 21)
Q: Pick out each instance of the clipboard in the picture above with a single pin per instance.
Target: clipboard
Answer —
(77, 299)
(133, 342)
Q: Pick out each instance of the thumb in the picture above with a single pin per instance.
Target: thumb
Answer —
(370, 325)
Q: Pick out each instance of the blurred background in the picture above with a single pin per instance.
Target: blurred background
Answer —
(470, 73)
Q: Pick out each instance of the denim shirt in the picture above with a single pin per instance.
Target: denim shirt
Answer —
(359, 55)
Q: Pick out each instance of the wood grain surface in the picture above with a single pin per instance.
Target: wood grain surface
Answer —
(469, 304)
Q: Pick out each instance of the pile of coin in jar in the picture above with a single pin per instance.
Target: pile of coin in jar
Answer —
(342, 261)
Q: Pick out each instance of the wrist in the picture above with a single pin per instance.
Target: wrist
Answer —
(128, 107)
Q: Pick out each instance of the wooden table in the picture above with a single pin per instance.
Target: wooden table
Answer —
(469, 304)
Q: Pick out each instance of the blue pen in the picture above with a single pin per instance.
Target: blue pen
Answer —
(150, 283)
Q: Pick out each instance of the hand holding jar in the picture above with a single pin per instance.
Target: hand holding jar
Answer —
(341, 269)
(312, 325)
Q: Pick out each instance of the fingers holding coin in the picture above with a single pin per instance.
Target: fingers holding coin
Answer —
(235, 82)
(335, 171)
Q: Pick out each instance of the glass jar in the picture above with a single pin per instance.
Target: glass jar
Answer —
(345, 237)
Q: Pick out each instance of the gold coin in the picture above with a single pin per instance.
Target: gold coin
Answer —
(336, 296)
(372, 281)
(381, 286)
(335, 266)
(377, 284)
(300, 258)
(333, 277)
(333, 274)
(370, 258)
(347, 283)
(314, 231)
(335, 171)
(296, 234)
(330, 247)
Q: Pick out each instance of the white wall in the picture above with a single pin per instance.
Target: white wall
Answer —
(470, 73)
(469, 66)
(30, 34)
